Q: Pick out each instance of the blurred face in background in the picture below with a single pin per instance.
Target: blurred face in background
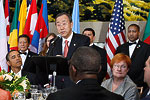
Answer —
(23, 44)
(90, 35)
(49, 39)
(64, 26)
(133, 33)
(120, 69)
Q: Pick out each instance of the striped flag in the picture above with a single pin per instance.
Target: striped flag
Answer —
(3, 39)
(31, 20)
(13, 39)
(146, 36)
(22, 17)
(41, 29)
(116, 33)
(28, 6)
(75, 17)
(7, 18)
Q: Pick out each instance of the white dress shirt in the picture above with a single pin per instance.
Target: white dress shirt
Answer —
(132, 47)
(19, 73)
(23, 57)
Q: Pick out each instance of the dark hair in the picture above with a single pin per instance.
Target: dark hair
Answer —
(48, 35)
(86, 60)
(24, 36)
(45, 47)
(63, 13)
(137, 26)
(7, 55)
(89, 29)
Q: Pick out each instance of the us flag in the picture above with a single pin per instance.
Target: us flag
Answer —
(116, 33)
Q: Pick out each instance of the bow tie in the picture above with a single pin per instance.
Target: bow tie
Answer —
(132, 43)
(23, 53)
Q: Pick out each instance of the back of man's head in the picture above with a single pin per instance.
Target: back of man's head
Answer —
(86, 60)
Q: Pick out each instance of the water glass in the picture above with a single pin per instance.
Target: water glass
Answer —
(53, 89)
(46, 92)
(34, 89)
(19, 96)
(37, 96)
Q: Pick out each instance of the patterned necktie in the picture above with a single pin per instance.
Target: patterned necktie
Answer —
(66, 48)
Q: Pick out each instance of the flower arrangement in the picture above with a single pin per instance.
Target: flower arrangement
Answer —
(13, 83)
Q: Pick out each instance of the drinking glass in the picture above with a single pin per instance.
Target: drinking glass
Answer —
(46, 92)
(19, 96)
(37, 95)
(34, 89)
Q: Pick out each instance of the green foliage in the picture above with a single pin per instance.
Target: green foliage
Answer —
(94, 10)
(12, 82)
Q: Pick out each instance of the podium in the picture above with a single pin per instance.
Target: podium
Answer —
(45, 65)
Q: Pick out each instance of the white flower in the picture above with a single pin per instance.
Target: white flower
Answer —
(7, 77)
(17, 76)
(23, 83)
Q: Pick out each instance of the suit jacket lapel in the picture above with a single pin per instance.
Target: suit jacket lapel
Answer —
(72, 46)
(59, 47)
(137, 48)
(126, 49)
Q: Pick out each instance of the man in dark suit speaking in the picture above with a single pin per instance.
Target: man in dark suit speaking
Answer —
(138, 51)
(84, 67)
(69, 41)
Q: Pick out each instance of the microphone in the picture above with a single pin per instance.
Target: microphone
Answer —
(56, 38)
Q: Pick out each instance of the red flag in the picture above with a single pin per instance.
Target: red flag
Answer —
(41, 29)
(3, 39)
(31, 20)
(116, 33)
(7, 18)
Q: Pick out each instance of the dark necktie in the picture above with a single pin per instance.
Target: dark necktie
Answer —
(23, 53)
(132, 43)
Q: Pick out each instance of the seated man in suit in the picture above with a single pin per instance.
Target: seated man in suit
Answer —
(14, 60)
(5, 95)
(138, 51)
(91, 34)
(69, 40)
(84, 67)
(146, 93)
(25, 53)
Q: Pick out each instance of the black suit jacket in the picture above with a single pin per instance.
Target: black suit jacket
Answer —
(144, 93)
(87, 89)
(28, 60)
(29, 68)
(103, 71)
(139, 57)
(77, 41)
